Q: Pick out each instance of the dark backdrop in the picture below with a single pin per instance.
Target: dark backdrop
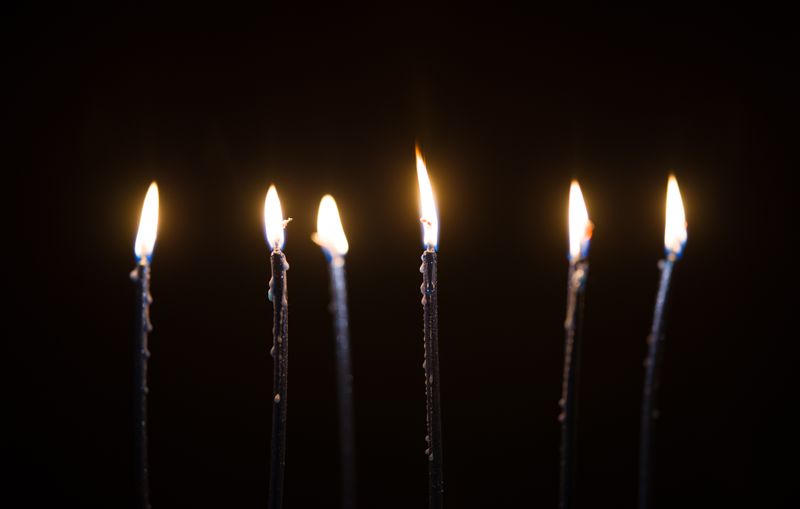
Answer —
(508, 108)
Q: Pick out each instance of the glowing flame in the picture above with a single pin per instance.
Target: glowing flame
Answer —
(330, 234)
(273, 219)
(148, 225)
(580, 228)
(675, 228)
(428, 216)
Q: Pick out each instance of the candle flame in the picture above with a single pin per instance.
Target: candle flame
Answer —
(428, 215)
(580, 228)
(273, 219)
(675, 228)
(148, 225)
(330, 233)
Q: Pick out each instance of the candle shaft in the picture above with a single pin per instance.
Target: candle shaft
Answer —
(430, 304)
(651, 384)
(568, 403)
(280, 354)
(344, 383)
(141, 275)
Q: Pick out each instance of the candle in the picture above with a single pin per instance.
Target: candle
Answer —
(674, 241)
(143, 249)
(580, 232)
(331, 238)
(430, 305)
(274, 225)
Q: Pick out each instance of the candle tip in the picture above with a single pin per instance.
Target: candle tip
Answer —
(428, 215)
(148, 226)
(330, 232)
(675, 226)
(580, 228)
(274, 223)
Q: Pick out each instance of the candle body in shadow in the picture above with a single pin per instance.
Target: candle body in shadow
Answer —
(651, 384)
(344, 382)
(430, 304)
(141, 276)
(280, 354)
(568, 417)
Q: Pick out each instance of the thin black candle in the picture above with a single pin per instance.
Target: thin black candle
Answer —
(344, 386)
(141, 275)
(274, 223)
(580, 229)
(674, 241)
(330, 236)
(650, 397)
(568, 416)
(143, 248)
(280, 355)
(430, 305)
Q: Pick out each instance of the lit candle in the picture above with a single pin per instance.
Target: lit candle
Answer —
(331, 238)
(430, 305)
(674, 241)
(580, 232)
(274, 225)
(143, 249)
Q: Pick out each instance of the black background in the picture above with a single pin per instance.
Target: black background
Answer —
(508, 108)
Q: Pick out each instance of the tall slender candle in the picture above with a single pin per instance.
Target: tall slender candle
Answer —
(143, 249)
(330, 236)
(580, 232)
(274, 225)
(674, 241)
(430, 305)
